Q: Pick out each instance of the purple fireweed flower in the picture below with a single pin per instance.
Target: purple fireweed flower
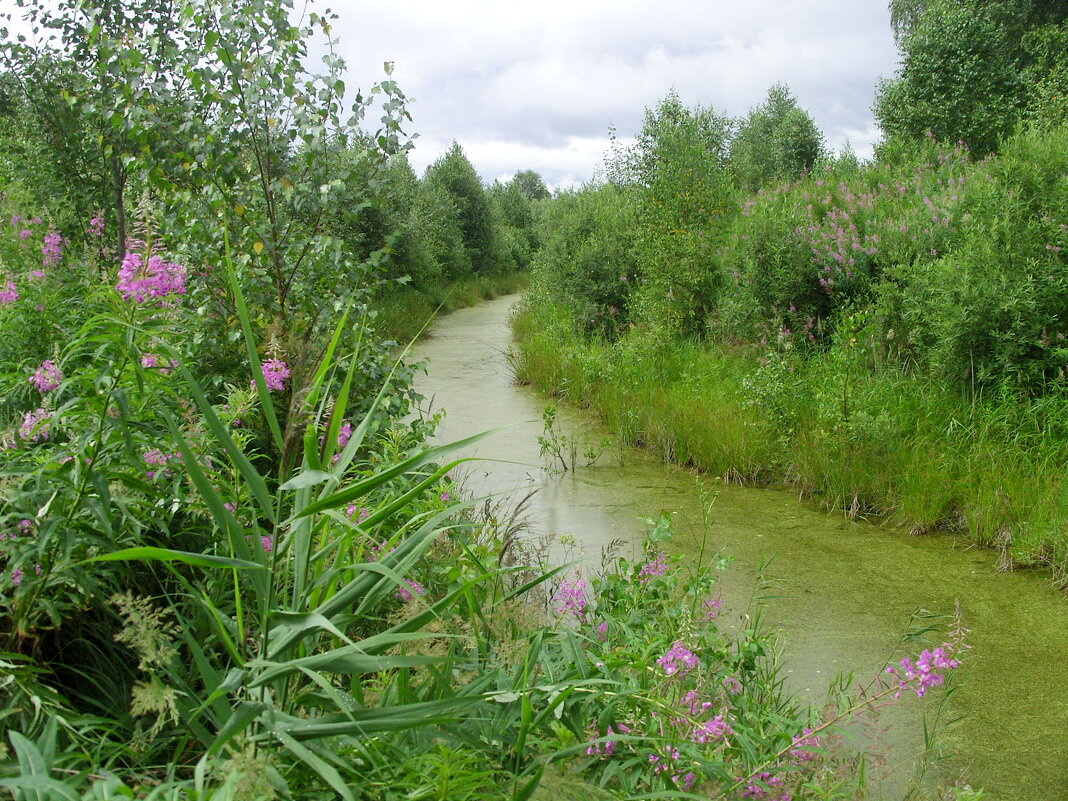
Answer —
(25, 525)
(9, 293)
(693, 703)
(51, 249)
(150, 361)
(344, 434)
(16, 576)
(571, 598)
(157, 458)
(47, 376)
(608, 747)
(158, 279)
(803, 744)
(710, 609)
(679, 660)
(928, 670)
(25, 233)
(35, 425)
(96, 225)
(656, 566)
(732, 685)
(275, 373)
(408, 590)
(711, 730)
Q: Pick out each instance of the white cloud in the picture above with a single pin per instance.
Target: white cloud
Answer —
(538, 82)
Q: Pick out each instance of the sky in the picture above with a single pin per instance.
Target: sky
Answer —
(539, 85)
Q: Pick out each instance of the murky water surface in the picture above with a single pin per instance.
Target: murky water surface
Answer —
(845, 590)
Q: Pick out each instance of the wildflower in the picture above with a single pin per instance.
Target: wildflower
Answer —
(151, 361)
(732, 685)
(377, 549)
(47, 376)
(444, 497)
(35, 425)
(656, 566)
(275, 373)
(267, 543)
(710, 609)
(802, 745)
(571, 597)
(344, 434)
(51, 249)
(609, 746)
(25, 233)
(96, 225)
(25, 525)
(408, 590)
(10, 293)
(156, 279)
(710, 730)
(678, 660)
(602, 631)
(928, 670)
(16, 576)
(156, 458)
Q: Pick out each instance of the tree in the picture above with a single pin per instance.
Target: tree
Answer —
(530, 184)
(777, 140)
(972, 68)
(455, 174)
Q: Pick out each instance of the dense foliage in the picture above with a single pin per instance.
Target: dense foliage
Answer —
(230, 566)
(890, 335)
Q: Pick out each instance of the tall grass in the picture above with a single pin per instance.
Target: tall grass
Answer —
(403, 310)
(874, 442)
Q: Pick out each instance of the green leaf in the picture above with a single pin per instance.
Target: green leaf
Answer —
(149, 553)
(308, 478)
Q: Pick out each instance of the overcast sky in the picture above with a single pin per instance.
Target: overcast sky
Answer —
(537, 85)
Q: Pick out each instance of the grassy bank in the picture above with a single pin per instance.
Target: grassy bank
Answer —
(404, 311)
(866, 438)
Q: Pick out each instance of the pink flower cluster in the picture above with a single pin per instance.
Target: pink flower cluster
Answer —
(608, 747)
(763, 785)
(275, 373)
(928, 670)
(157, 458)
(35, 425)
(158, 279)
(47, 377)
(656, 566)
(51, 249)
(803, 745)
(150, 361)
(570, 598)
(710, 608)
(10, 293)
(678, 661)
(408, 590)
(96, 225)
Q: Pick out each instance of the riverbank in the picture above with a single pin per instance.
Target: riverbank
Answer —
(844, 589)
(877, 443)
(403, 311)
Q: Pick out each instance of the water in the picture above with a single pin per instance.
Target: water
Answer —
(845, 590)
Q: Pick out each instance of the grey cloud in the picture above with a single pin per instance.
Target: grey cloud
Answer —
(540, 76)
